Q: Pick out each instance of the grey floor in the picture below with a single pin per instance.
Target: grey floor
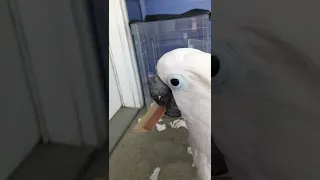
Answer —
(134, 156)
(137, 154)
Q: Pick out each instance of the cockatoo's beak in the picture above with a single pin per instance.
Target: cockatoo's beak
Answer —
(162, 95)
(164, 104)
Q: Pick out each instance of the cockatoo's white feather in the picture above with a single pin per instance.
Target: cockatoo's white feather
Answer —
(193, 97)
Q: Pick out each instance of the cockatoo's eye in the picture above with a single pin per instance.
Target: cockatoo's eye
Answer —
(174, 82)
(177, 82)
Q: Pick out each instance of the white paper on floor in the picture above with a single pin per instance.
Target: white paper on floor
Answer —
(160, 127)
(178, 123)
(155, 174)
(189, 150)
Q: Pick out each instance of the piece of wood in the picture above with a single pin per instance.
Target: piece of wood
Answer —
(150, 119)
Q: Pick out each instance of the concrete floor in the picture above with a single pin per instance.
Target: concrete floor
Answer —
(134, 157)
(138, 154)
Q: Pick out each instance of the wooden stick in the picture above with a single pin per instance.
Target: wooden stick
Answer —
(150, 119)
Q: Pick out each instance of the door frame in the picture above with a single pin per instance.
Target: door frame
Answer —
(123, 55)
(111, 67)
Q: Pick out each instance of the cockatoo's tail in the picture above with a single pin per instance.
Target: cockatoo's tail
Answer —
(150, 119)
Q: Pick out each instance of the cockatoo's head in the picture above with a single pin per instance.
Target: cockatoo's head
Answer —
(183, 75)
(182, 83)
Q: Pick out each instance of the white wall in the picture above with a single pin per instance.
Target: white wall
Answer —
(124, 61)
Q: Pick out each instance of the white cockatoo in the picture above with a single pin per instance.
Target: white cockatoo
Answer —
(187, 72)
(183, 87)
